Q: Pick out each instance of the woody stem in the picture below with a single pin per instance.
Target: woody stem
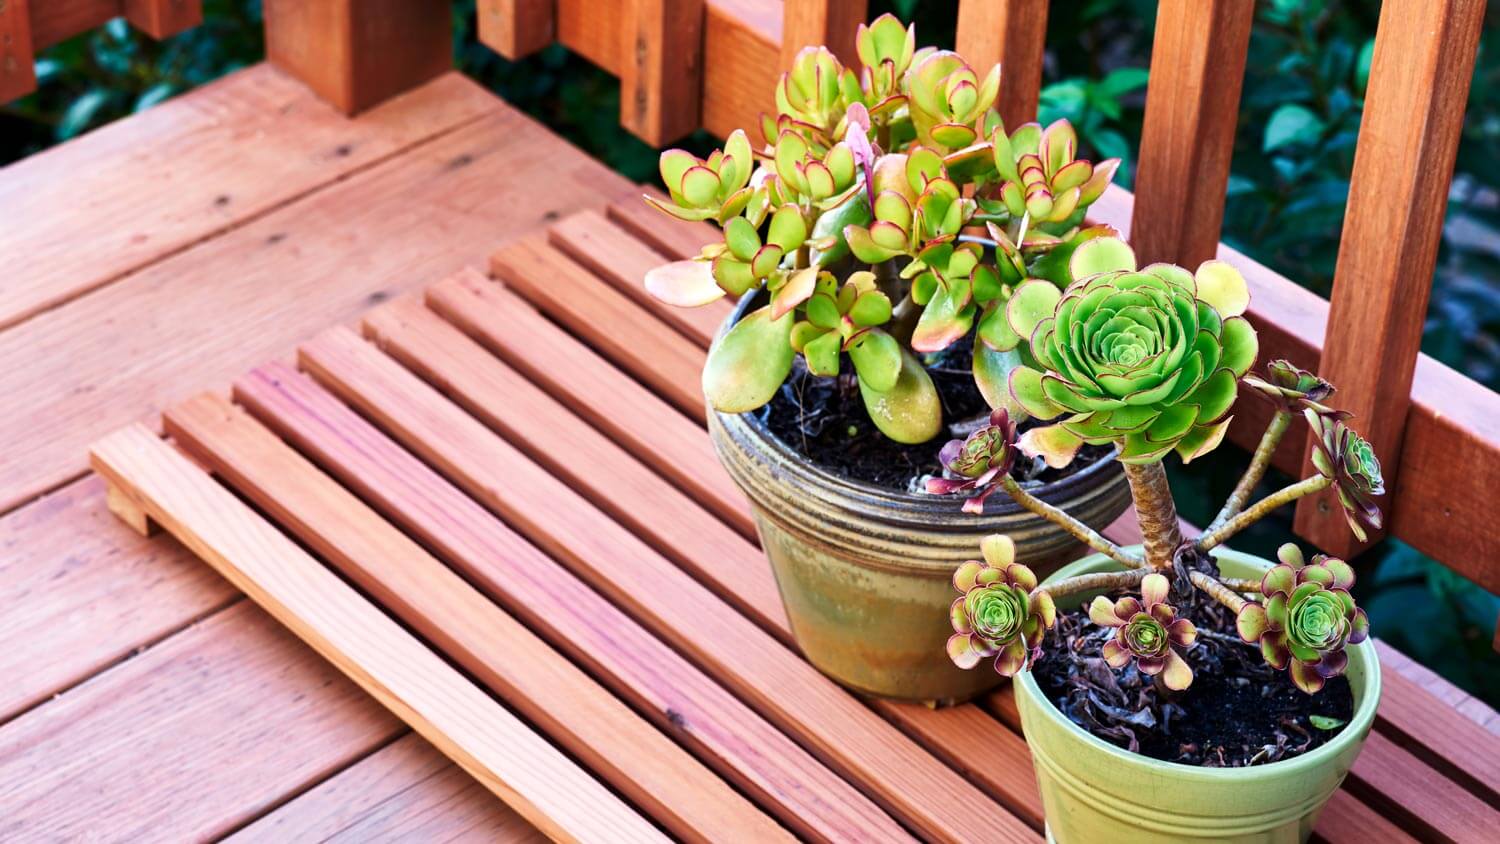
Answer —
(1261, 509)
(1155, 511)
(1097, 581)
(1256, 470)
(1218, 591)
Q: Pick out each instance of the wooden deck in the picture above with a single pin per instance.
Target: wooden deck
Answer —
(142, 697)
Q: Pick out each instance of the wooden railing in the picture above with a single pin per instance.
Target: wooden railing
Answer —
(685, 64)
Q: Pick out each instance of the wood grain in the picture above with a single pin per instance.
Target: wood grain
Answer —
(544, 687)
(17, 48)
(489, 742)
(821, 23)
(406, 790)
(1012, 33)
(163, 18)
(1417, 797)
(676, 239)
(662, 359)
(516, 28)
(202, 317)
(85, 213)
(661, 80)
(1192, 105)
(1393, 223)
(187, 741)
(836, 727)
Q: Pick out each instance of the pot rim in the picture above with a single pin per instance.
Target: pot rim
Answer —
(1359, 724)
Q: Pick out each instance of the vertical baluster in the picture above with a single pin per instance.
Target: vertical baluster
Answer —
(17, 74)
(831, 23)
(1408, 140)
(162, 18)
(516, 28)
(661, 81)
(1013, 33)
(1192, 103)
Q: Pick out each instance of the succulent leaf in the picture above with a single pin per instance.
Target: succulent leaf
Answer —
(997, 613)
(685, 284)
(1148, 632)
(910, 411)
(978, 462)
(1347, 459)
(1306, 618)
(747, 365)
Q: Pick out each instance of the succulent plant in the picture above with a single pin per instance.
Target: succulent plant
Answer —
(809, 93)
(1040, 176)
(1148, 631)
(1145, 358)
(949, 101)
(715, 188)
(997, 613)
(1292, 388)
(1348, 460)
(842, 319)
(978, 461)
(1306, 619)
(885, 50)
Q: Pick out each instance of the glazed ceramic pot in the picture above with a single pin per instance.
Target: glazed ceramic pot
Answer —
(866, 573)
(1095, 791)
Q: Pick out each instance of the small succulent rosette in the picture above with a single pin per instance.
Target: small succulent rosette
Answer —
(1306, 619)
(997, 614)
(978, 461)
(1147, 631)
(1348, 460)
(1292, 388)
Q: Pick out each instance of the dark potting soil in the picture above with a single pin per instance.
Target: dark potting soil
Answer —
(1237, 712)
(824, 420)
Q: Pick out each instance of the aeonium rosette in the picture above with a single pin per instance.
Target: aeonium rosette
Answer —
(1347, 459)
(1306, 619)
(1292, 388)
(978, 461)
(997, 613)
(1148, 631)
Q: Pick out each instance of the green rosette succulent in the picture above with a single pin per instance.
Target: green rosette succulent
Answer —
(1306, 618)
(978, 461)
(1347, 459)
(1147, 631)
(1040, 176)
(997, 614)
(949, 101)
(716, 188)
(1292, 388)
(1148, 359)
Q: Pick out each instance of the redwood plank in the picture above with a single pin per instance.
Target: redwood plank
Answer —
(1417, 797)
(123, 352)
(403, 791)
(612, 254)
(1398, 195)
(510, 328)
(58, 20)
(1457, 746)
(489, 742)
(830, 722)
(1192, 104)
(1441, 690)
(676, 239)
(79, 592)
(565, 291)
(661, 79)
(87, 212)
(551, 692)
(187, 741)
(17, 51)
(516, 28)
(1012, 33)
(163, 18)
(821, 23)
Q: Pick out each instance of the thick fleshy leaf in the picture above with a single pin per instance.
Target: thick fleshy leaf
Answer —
(788, 228)
(948, 316)
(1012, 659)
(1102, 612)
(870, 308)
(877, 359)
(964, 576)
(992, 372)
(1251, 622)
(1033, 301)
(995, 330)
(1222, 286)
(1240, 346)
(1281, 579)
(741, 238)
(1100, 255)
(1052, 443)
(1154, 589)
(1115, 654)
(910, 412)
(864, 247)
(962, 652)
(747, 366)
(684, 284)
(1306, 677)
(1202, 439)
(674, 163)
(822, 355)
(1273, 649)
(1026, 388)
(999, 550)
(1178, 674)
(700, 185)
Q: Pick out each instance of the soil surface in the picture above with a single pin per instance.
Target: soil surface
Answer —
(824, 420)
(1237, 712)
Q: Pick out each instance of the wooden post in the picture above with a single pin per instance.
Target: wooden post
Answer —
(163, 18)
(831, 23)
(17, 73)
(358, 53)
(1013, 33)
(516, 28)
(661, 81)
(1192, 104)
(1408, 140)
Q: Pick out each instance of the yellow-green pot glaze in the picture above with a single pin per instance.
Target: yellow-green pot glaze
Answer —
(1093, 791)
(866, 574)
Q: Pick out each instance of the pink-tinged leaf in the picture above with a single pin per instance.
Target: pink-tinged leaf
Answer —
(691, 215)
(1306, 677)
(1182, 633)
(1102, 612)
(1012, 659)
(1251, 622)
(684, 284)
(1052, 443)
(999, 550)
(961, 651)
(799, 286)
(700, 185)
(1154, 589)
(1281, 579)
(965, 575)
(1115, 654)
(1178, 674)
(1359, 627)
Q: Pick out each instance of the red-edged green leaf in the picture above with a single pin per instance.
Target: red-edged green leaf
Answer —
(747, 366)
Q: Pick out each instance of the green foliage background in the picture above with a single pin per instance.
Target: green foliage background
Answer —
(1294, 150)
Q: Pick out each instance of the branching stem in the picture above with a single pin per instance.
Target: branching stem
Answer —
(1255, 471)
(1261, 509)
(1218, 591)
(1085, 534)
(1103, 580)
(1241, 585)
(1156, 512)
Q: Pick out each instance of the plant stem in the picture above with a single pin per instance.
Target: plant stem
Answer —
(1240, 585)
(1256, 470)
(1085, 534)
(1155, 510)
(1218, 591)
(1105, 580)
(1261, 509)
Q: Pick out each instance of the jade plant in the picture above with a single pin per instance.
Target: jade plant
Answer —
(1148, 360)
(887, 215)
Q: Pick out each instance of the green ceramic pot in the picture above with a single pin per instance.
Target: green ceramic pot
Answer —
(1093, 791)
(866, 574)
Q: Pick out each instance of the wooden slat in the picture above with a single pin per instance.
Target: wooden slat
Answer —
(85, 213)
(17, 73)
(527, 342)
(1398, 195)
(1459, 747)
(78, 593)
(1418, 797)
(358, 53)
(163, 18)
(676, 239)
(189, 322)
(53, 21)
(404, 791)
(821, 23)
(597, 729)
(565, 291)
(611, 253)
(1192, 104)
(1014, 34)
(186, 741)
(489, 742)
(1441, 691)
(516, 28)
(662, 78)
(834, 725)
